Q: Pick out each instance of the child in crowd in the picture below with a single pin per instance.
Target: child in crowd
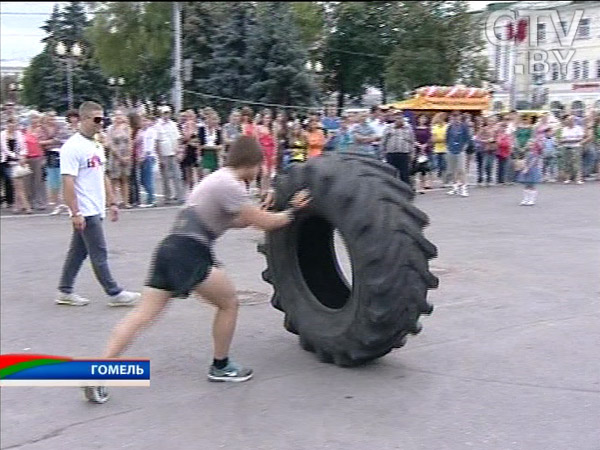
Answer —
(531, 173)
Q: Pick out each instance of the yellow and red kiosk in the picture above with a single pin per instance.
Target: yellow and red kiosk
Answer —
(430, 100)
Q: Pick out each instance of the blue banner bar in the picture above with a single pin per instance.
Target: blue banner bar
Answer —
(87, 370)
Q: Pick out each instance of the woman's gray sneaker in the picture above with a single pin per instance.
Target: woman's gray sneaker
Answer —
(96, 394)
(231, 372)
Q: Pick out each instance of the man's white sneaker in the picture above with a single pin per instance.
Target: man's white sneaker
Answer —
(125, 298)
(464, 192)
(453, 191)
(59, 210)
(71, 300)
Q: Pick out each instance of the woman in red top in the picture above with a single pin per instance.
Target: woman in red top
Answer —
(316, 139)
(504, 144)
(267, 142)
(36, 189)
(248, 127)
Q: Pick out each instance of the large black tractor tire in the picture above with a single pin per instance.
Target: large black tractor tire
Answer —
(372, 210)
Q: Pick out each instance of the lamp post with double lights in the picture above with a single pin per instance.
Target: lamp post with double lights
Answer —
(15, 88)
(70, 55)
(316, 69)
(116, 83)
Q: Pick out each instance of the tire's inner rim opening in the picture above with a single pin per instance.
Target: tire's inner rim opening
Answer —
(324, 262)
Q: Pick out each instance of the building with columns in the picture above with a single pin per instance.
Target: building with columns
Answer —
(556, 63)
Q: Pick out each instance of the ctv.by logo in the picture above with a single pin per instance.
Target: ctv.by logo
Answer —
(522, 26)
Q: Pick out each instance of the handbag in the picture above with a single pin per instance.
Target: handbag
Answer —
(421, 164)
(519, 165)
(21, 171)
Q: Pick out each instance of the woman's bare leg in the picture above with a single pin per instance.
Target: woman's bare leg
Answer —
(190, 176)
(21, 195)
(152, 303)
(219, 290)
(125, 190)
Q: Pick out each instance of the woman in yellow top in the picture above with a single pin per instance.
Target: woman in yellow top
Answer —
(315, 138)
(438, 135)
(297, 144)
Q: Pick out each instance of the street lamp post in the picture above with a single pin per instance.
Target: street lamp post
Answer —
(15, 88)
(116, 83)
(69, 55)
(316, 69)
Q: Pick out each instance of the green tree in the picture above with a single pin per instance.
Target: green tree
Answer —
(278, 59)
(439, 44)
(229, 69)
(200, 30)
(134, 40)
(310, 21)
(45, 80)
(43, 86)
(381, 39)
(347, 56)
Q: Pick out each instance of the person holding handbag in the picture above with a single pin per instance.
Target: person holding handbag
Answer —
(423, 153)
(13, 168)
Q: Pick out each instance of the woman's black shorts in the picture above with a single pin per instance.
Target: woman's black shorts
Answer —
(179, 264)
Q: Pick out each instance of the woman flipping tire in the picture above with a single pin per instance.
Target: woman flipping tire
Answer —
(362, 199)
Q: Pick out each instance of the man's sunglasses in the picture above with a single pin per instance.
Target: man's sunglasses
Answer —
(98, 120)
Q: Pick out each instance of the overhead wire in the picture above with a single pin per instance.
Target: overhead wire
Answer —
(250, 102)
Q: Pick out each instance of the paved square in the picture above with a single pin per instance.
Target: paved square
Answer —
(508, 360)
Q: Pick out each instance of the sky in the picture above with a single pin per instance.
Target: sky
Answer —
(20, 34)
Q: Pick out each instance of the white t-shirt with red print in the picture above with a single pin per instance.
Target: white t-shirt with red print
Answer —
(84, 159)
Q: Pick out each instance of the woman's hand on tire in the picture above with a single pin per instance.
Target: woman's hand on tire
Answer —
(301, 199)
(268, 201)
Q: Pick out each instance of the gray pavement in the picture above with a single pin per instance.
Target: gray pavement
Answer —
(508, 360)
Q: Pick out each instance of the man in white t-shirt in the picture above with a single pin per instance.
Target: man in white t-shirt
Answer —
(571, 137)
(380, 126)
(148, 158)
(168, 148)
(86, 186)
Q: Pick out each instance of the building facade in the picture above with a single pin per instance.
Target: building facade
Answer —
(555, 62)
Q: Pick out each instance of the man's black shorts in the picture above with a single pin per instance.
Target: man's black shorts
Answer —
(179, 264)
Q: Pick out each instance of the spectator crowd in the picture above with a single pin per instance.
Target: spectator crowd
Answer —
(438, 150)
